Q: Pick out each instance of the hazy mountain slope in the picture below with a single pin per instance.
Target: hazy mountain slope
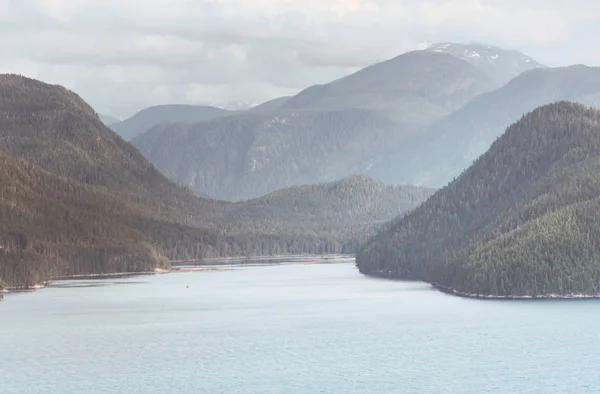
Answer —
(249, 155)
(523, 220)
(452, 143)
(366, 122)
(500, 64)
(107, 119)
(77, 198)
(150, 117)
(415, 87)
(357, 200)
(276, 103)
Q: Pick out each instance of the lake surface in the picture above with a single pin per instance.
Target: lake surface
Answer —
(290, 329)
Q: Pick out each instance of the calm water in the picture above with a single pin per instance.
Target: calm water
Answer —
(290, 329)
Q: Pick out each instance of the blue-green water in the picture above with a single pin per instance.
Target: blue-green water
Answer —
(291, 329)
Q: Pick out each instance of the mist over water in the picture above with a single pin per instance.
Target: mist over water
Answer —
(290, 329)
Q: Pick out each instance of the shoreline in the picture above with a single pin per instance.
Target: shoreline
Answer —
(491, 297)
(220, 264)
(105, 275)
(263, 260)
(573, 296)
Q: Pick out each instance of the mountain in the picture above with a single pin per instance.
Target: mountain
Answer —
(234, 105)
(77, 199)
(249, 155)
(452, 143)
(107, 119)
(150, 117)
(276, 103)
(500, 64)
(358, 124)
(54, 129)
(355, 201)
(522, 221)
(415, 87)
(52, 226)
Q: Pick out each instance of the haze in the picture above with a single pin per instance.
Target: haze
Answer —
(236, 53)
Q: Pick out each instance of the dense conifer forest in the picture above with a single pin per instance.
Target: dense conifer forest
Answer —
(523, 220)
(77, 199)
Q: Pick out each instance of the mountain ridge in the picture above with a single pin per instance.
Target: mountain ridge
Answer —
(149, 117)
(375, 113)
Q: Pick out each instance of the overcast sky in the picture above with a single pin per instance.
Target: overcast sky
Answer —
(123, 55)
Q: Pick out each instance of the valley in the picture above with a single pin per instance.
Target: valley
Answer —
(357, 165)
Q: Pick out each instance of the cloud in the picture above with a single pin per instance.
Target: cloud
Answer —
(125, 55)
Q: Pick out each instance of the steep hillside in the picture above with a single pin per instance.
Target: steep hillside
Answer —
(53, 128)
(500, 64)
(523, 220)
(249, 155)
(416, 87)
(150, 117)
(54, 226)
(451, 144)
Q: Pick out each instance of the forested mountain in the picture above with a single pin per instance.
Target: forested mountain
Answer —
(368, 122)
(150, 117)
(76, 198)
(451, 144)
(107, 119)
(357, 200)
(53, 128)
(276, 103)
(523, 220)
(53, 226)
(249, 155)
(500, 64)
(415, 87)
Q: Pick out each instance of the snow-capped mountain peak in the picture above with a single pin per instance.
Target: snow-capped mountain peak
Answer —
(501, 64)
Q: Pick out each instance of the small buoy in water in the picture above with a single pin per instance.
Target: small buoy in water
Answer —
(187, 287)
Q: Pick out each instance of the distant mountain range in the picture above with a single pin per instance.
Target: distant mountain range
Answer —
(415, 87)
(150, 117)
(522, 221)
(274, 104)
(107, 119)
(452, 143)
(246, 156)
(78, 199)
(380, 121)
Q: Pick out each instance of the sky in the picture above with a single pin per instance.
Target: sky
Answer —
(125, 55)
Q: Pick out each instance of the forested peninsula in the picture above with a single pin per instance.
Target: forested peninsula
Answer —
(523, 221)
